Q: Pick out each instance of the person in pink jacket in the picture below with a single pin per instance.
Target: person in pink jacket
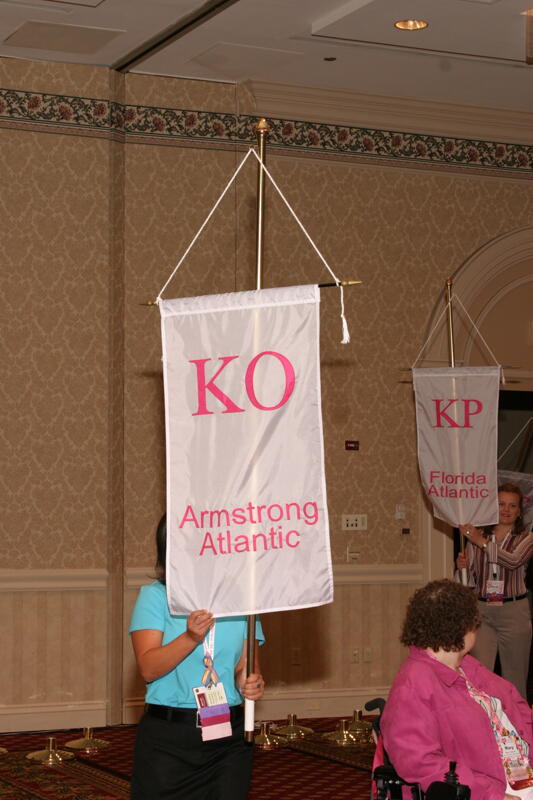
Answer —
(445, 706)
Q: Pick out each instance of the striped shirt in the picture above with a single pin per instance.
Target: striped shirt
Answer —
(506, 561)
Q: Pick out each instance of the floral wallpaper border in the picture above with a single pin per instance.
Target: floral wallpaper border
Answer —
(111, 118)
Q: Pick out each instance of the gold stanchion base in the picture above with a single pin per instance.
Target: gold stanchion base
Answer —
(265, 740)
(3, 751)
(341, 736)
(87, 743)
(50, 756)
(292, 730)
(360, 728)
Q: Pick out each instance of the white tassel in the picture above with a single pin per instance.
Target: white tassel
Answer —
(345, 332)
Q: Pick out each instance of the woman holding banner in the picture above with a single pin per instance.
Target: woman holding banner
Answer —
(496, 559)
(190, 741)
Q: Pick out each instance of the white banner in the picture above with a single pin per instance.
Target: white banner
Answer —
(247, 521)
(457, 426)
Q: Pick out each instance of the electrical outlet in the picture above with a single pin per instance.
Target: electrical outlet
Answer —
(367, 654)
(354, 522)
(355, 655)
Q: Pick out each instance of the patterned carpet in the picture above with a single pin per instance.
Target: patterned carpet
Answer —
(308, 770)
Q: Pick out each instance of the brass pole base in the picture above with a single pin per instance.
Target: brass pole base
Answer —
(360, 728)
(88, 743)
(50, 756)
(341, 737)
(265, 740)
(292, 730)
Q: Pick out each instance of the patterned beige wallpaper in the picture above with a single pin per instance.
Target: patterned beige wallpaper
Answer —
(70, 223)
(402, 232)
(93, 223)
(153, 90)
(56, 78)
(55, 252)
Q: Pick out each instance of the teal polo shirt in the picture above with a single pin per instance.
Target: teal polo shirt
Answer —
(175, 688)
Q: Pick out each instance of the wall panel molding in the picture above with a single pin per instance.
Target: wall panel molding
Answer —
(304, 703)
(52, 716)
(31, 580)
(53, 580)
(356, 574)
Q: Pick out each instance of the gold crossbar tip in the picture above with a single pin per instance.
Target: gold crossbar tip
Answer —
(149, 303)
(341, 283)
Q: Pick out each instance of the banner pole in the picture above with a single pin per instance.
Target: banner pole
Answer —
(451, 344)
(261, 131)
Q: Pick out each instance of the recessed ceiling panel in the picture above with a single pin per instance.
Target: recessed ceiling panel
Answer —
(486, 29)
(61, 38)
(239, 62)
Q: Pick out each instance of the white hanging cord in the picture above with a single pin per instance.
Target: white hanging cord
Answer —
(479, 334)
(430, 335)
(520, 432)
(455, 297)
(186, 253)
(345, 332)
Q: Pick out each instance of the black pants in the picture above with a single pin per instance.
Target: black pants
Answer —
(171, 762)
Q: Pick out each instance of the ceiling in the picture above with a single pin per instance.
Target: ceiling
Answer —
(473, 51)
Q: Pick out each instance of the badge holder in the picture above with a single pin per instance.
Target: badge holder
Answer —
(213, 709)
(495, 587)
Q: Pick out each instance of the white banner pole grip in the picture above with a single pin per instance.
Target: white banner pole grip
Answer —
(249, 705)
(249, 720)
(464, 571)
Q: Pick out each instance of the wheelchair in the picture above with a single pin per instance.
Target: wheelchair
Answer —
(387, 784)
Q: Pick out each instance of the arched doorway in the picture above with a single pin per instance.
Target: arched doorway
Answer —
(495, 285)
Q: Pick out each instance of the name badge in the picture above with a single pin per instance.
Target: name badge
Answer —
(213, 711)
(494, 593)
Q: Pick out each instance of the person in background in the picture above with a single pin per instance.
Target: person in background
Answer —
(181, 658)
(496, 560)
(445, 706)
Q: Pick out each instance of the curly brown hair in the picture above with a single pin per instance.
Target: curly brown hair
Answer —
(439, 615)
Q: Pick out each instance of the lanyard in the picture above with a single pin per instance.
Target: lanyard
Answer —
(494, 565)
(210, 677)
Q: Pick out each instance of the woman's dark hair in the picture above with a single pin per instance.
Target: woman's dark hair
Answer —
(161, 548)
(439, 615)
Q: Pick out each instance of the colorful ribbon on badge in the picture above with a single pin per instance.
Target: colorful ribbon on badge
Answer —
(210, 677)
